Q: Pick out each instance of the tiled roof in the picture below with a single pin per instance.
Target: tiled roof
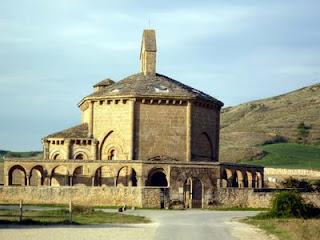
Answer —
(152, 85)
(79, 131)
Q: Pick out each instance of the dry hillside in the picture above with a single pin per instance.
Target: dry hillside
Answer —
(246, 126)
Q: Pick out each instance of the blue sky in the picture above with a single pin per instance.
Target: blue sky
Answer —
(52, 52)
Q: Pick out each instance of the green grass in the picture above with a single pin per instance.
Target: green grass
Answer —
(49, 217)
(288, 155)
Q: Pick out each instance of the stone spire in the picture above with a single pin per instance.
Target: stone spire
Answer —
(148, 52)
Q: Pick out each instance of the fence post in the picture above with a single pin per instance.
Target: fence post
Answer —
(70, 211)
(21, 211)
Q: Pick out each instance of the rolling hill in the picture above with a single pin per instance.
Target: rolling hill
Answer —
(246, 127)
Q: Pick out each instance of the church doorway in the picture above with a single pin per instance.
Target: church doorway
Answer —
(193, 193)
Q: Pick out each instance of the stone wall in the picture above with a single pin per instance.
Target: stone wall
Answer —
(284, 172)
(235, 197)
(110, 196)
(205, 129)
(113, 116)
(161, 131)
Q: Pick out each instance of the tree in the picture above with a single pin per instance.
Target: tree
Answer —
(302, 132)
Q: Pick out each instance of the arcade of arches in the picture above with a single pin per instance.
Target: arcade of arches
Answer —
(191, 184)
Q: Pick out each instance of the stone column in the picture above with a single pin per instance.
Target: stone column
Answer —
(46, 145)
(132, 129)
(94, 148)
(6, 180)
(90, 127)
(70, 181)
(28, 180)
(130, 177)
(115, 181)
(189, 132)
(92, 181)
(68, 149)
(141, 181)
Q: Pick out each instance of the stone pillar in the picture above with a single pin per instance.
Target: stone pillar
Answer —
(189, 132)
(115, 181)
(90, 127)
(130, 177)
(219, 183)
(68, 149)
(6, 180)
(70, 180)
(28, 180)
(132, 129)
(92, 181)
(141, 181)
(46, 145)
(94, 149)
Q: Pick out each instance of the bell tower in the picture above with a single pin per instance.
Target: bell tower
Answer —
(148, 52)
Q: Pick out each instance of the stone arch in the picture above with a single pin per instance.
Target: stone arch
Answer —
(203, 150)
(157, 177)
(226, 178)
(37, 176)
(17, 176)
(126, 176)
(112, 147)
(80, 156)
(57, 155)
(80, 178)
(60, 176)
(104, 176)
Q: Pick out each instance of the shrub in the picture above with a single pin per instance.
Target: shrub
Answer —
(288, 204)
(296, 183)
(276, 139)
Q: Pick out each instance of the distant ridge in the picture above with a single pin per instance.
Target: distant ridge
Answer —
(248, 125)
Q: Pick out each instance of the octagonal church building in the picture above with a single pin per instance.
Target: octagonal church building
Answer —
(146, 137)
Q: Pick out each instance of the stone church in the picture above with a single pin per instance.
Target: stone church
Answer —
(145, 131)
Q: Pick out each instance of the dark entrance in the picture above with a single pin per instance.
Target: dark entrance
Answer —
(193, 193)
(196, 193)
(158, 179)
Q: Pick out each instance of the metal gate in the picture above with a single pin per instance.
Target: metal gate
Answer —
(196, 193)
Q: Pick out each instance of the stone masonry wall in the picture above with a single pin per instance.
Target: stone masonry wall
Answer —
(204, 120)
(93, 196)
(235, 197)
(284, 172)
(113, 116)
(161, 130)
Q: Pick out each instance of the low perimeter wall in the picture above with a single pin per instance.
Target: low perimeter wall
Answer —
(93, 196)
(146, 197)
(284, 172)
(237, 197)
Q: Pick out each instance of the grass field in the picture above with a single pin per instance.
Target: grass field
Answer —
(289, 229)
(48, 217)
(288, 155)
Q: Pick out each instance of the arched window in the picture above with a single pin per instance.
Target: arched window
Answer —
(56, 156)
(112, 154)
(79, 156)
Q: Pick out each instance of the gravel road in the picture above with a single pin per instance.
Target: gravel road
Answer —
(184, 225)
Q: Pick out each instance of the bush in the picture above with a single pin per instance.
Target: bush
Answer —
(296, 183)
(288, 204)
(276, 139)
